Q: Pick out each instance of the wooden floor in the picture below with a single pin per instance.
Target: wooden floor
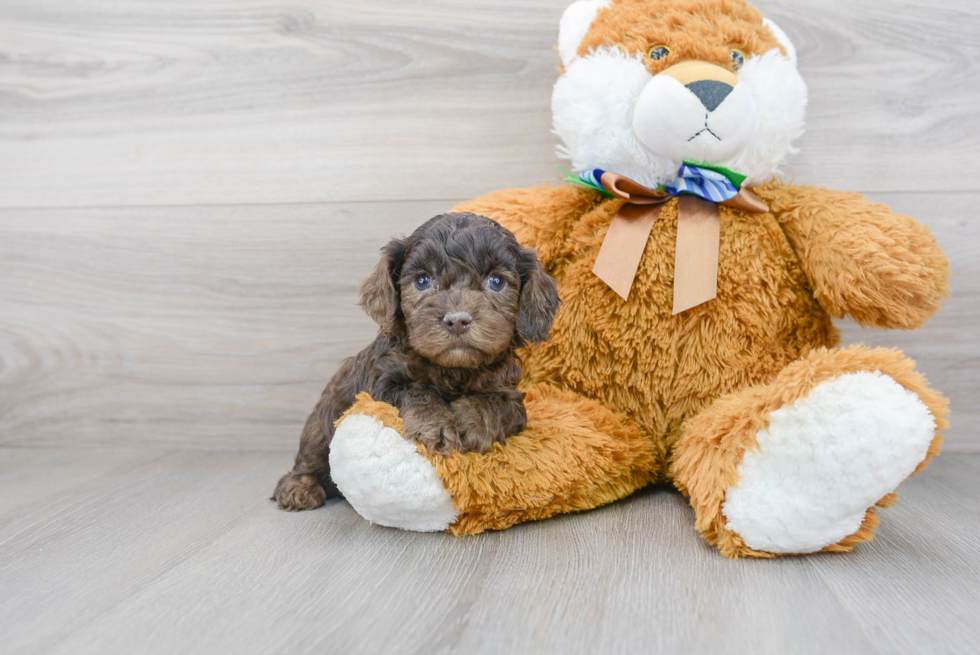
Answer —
(145, 551)
(191, 190)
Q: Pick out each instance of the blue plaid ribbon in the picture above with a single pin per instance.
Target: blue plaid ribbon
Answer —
(592, 177)
(694, 180)
(703, 183)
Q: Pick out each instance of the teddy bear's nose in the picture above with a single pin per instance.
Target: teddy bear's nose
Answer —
(710, 93)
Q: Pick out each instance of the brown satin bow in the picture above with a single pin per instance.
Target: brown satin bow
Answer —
(698, 239)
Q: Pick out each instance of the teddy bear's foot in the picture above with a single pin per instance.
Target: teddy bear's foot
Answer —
(798, 465)
(824, 460)
(384, 477)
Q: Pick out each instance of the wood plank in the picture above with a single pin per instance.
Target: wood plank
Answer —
(104, 543)
(199, 327)
(635, 577)
(889, 91)
(258, 101)
(214, 567)
(920, 584)
(35, 484)
(217, 327)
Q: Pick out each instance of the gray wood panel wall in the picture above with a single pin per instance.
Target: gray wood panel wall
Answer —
(191, 190)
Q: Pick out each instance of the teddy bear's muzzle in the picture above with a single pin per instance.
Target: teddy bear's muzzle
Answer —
(695, 110)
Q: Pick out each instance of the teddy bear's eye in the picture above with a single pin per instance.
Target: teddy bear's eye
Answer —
(737, 58)
(658, 52)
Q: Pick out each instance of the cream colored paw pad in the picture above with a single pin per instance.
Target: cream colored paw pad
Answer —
(385, 479)
(824, 460)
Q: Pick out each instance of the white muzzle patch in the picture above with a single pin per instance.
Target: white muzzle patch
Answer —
(671, 119)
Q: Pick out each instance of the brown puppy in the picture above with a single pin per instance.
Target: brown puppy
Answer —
(454, 300)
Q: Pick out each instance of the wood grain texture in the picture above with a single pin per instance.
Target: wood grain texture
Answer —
(186, 556)
(36, 484)
(217, 327)
(199, 326)
(100, 544)
(266, 101)
(928, 551)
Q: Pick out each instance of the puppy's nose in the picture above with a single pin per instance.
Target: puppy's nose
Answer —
(710, 93)
(457, 322)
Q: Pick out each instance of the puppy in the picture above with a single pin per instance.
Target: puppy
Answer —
(454, 300)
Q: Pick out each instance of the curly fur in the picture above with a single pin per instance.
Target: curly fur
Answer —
(455, 391)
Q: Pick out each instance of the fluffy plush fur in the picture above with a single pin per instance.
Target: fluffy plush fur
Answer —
(454, 300)
(824, 459)
(366, 447)
(614, 110)
(725, 399)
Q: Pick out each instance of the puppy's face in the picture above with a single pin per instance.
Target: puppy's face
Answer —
(462, 290)
(459, 293)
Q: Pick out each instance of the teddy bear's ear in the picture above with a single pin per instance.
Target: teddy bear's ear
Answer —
(782, 38)
(574, 25)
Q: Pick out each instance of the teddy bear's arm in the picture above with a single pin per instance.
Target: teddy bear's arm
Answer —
(881, 268)
(540, 217)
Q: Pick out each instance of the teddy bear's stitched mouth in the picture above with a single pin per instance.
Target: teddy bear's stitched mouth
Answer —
(703, 130)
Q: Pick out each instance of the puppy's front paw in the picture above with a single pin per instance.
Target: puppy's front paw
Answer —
(438, 432)
(478, 430)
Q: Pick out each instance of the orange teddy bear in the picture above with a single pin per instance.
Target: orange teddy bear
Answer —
(695, 344)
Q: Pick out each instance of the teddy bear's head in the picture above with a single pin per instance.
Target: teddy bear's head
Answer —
(649, 84)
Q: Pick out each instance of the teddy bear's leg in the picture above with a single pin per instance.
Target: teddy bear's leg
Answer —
(798, 465)
(575, 454)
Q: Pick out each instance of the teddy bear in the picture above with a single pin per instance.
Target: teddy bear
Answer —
(695, 344)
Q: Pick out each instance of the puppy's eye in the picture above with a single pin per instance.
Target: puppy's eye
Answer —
(496, 283)
(737, 58)
(423, 282)
(658, 52)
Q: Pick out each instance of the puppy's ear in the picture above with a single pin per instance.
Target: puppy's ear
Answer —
(539, 300)
(380, 297)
